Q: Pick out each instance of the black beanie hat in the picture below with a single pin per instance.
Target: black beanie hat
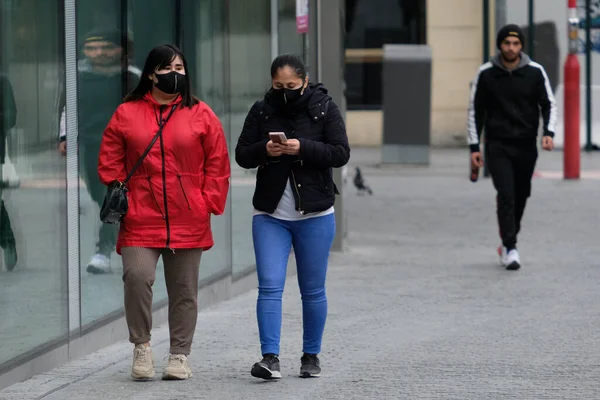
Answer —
(510, 30)
(114, 36)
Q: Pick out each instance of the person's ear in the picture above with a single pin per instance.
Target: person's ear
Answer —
(305, 85)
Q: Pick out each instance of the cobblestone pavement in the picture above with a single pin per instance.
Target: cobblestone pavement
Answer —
(418, 306)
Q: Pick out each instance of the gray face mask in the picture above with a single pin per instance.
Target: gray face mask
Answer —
(171, 83)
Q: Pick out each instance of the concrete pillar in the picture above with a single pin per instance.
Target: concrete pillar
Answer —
(326, 65)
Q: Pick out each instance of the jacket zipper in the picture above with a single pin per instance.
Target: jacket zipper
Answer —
(164, 182)
(183, 190)
(300, 210)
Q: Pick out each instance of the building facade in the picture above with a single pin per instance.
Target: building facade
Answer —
(454, 31)
(53, 306)
(461, 35)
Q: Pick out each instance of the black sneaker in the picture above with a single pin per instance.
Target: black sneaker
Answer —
(267, 368)
(311, 367)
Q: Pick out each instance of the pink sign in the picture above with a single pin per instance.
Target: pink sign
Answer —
(302, 16)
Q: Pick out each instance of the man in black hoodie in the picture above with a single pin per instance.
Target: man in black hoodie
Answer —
(102, 74)
(507, 96)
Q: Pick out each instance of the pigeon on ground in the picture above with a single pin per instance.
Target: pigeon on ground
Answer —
(359, 182)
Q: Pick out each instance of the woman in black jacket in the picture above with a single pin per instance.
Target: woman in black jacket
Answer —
(293, 202)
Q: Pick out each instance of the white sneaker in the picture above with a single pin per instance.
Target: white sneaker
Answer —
(143, 363)
(177, 368)
(99, 264)
(513, 262)
(502, 254)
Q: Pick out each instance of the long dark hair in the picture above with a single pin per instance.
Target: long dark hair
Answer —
(159, 58)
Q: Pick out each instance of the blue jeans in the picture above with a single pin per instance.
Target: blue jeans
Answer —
(273, 239)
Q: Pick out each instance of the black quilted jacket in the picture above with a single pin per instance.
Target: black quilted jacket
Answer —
(316, 121)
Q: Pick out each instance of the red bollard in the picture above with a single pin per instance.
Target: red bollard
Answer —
(571, 118)
(571, 150)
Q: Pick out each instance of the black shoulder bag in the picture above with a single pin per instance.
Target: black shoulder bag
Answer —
(115, 203)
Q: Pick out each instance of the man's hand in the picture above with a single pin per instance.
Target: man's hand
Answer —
(291, 147)
(62, 147)
(274, 149)
(547, 143)
(476, 159)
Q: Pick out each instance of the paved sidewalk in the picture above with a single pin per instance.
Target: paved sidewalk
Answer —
(418, 306)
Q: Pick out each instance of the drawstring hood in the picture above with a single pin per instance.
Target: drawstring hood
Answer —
(524, 61)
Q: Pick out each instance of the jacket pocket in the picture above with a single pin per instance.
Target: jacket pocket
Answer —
(191, 196)
(327, 184)
(184, 193)
(154, 197)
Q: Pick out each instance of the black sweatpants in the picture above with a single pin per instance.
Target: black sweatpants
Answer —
(511, 166)
(107, 237)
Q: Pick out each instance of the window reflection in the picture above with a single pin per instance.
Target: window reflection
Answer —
(369, 25)
(33, 268)
(204, 44)
(249, 74)
(110, 61)
(289, 40)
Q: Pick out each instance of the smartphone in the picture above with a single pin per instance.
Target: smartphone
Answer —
(277, 137)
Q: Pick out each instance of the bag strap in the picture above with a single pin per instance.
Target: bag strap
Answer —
(161, 125)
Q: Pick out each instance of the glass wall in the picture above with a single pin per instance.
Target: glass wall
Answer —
(249, 80)
(289, 41)
(204, 43)
(33, 273)
(369, 25)
(113, 43)
(228, 48)
(100, 89)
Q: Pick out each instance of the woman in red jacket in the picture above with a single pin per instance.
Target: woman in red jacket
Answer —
(183, 179)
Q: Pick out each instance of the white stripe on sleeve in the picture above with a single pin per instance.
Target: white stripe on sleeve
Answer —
(473, 138)
(553, 110)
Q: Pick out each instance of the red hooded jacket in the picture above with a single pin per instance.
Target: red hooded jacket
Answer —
(183, 179)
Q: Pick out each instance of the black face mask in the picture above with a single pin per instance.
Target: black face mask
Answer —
(287, 97)
(170, 83)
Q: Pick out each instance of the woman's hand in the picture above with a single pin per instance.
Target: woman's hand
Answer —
(274, 149)
(291, 147)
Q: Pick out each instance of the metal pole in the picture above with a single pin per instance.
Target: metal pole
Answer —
(588, 76)
(275, 29)
(530, 40)
(571, 107)
(486, 55)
